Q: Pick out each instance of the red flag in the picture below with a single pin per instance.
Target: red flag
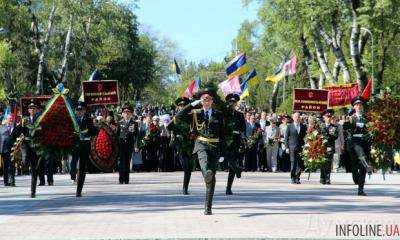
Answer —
(366, 94)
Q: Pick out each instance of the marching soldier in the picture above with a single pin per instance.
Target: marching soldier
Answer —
(182, 143)
(330, 133)
(207, 125)
(359, 143)
(87, 130)
(128, 130)
(235, 132)
(32, 158)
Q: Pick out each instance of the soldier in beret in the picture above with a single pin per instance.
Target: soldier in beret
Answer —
(235, 132)
(208, 127)
(183, 144)
(330, 133)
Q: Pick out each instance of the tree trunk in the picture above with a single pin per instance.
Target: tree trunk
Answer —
(335, 72)
(321, 56)
(39, 81)
(64, 65)
(355, 54)
(335, 43)
(322, 80)
(307, 59)
(34, 28)
(86, 27)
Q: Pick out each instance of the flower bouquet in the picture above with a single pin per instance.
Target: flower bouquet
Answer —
(254, 139)
(56, 131)
(151, 136)
(383, 123)
(314, 151)
(104, 148)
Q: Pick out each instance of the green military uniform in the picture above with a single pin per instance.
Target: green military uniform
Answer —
(330, 133)
(183, 144)
(235, 130)
(208, 127)
(29, 155)
(359, 146)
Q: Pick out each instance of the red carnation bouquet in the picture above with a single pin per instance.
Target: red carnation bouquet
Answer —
(383, 116)
(104, 148)
(56, 130)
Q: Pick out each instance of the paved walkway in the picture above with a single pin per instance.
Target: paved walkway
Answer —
(264, 205)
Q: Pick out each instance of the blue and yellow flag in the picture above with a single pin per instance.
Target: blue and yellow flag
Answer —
(252, 78)
(237, 66)
(276, 78)
(245, 90)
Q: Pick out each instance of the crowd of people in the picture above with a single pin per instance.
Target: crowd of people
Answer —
(266, 154)
(154, 139)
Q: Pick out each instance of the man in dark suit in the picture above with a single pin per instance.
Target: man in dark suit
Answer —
(87, 130)
(208, 126)
(253, 136)
(235, 130)
(294, 142)
(5, 149)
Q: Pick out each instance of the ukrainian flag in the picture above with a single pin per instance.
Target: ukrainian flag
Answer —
(245, 90)
(237, 66)
(276, 78)
(252, 78)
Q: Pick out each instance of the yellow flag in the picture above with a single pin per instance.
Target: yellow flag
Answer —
(397, 158)
(245, 94)
(276, 78)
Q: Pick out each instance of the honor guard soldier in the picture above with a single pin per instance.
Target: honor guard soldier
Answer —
(207, 125)
(330, 133)
(183, 144)
(128, 130)
(29, 155)
(235, 132)
(359, 143)
(87, 130)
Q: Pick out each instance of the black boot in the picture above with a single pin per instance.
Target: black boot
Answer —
(231, 177)
(186, 180)
(81, 181)
(209, 196)
(361, 190)
(328, 178)
(33, 185)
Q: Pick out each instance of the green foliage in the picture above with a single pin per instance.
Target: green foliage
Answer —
(104, 36)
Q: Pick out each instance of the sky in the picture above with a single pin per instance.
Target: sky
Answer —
(202, 29)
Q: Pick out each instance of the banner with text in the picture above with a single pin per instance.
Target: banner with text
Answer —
(310, 100)
(100, 92)
(341, 95)
(39, 101)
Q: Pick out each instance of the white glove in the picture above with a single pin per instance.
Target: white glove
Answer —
(287, 150)
(221, 159)
(197, 102)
